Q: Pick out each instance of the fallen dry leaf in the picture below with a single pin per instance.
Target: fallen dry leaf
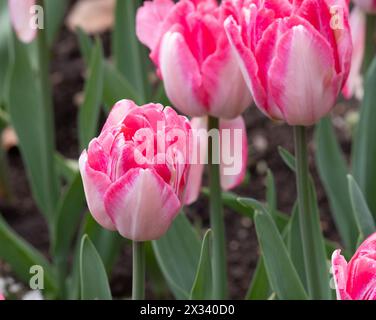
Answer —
(92, 16)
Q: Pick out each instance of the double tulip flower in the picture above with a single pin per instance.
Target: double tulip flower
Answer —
(356, 280)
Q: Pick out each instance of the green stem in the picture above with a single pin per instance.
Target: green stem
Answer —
(370, 41)
(305, 212)
(138, 281)
(217, 219)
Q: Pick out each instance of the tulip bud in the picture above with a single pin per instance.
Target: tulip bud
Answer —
(21, 18)
(295, 55)
(135, 172)
(368, 6)
(356, 280)
(192, 54)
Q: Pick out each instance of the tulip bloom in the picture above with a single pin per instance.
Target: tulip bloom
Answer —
(135, 172)
(233, 154)
(354, 84)
(295, 55)
(366, 5)
(1, 297)
(356, 280)
(21, 18)
(194, 59)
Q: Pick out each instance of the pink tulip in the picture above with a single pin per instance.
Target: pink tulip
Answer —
(356, 280)
(295, 55)
(192, 54)
(135, 172)
(368, 6)
(1, 297)
(21, 18)
(232, 170)
(354, 84)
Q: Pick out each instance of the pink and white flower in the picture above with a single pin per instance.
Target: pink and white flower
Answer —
(295, 55)
(368, 6)
(356, 280)
(127, 187)
(21, 18)
(190, 49)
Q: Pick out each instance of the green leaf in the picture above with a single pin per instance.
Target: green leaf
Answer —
(21, 256)
(5, 33)
(115, 86)
(69, 213)
(294, 244)
(33, 127)
(55, 12)
(94, 282)
(333, 170)
(129, 55)
(108, 243)
(66, 168)
(178, 254)
(202, 286)
(271, 195)
(362, 214)
(89, 112)
(364, 144)
(281, 272)
(259, 288)
(287, 158)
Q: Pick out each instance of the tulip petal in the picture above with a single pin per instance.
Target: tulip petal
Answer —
(304, 91)
(181, 75)
(20, 16)
(234, 162)
(149, 21)
(95, 185)
(141, 205)
(199, 149)
(118, 113)
(339, 269)
(354, 84)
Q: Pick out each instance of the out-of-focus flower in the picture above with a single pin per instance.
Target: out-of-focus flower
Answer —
(135, 172)
(295, 55)
(21, 18)
(232, 139)
(354, 84)
(366, 5)
(356, 280)
(1, 297)
(194, 59)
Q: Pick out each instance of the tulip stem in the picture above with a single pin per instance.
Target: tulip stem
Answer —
(217, 218)
(305, 211)
(370, 41)
(138, 281)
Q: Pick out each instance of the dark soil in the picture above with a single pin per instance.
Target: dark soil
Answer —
(264, 138)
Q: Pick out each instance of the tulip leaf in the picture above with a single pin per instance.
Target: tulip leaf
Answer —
(69, 213)
(271, 195)
(21, 256)
(202, 286)
(94, 282)
(115, 87)
(129, 55)
(287, 158)
(66, 168)
(364, 144)
(281, 272)
(55, 11)
(362, 214)
(30, 118)
(333, 170)
(89, 112)
(178, 254)
(5, 33)
(259, 288)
